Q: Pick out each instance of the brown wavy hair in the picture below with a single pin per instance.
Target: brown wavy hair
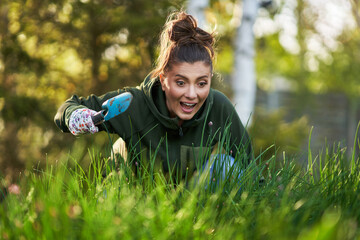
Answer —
(183, 41)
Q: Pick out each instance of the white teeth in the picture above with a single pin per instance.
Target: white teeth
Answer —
(189, 105)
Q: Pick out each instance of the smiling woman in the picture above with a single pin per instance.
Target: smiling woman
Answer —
(175, 117)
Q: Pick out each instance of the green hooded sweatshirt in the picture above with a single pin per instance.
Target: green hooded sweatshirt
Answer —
(150, 132)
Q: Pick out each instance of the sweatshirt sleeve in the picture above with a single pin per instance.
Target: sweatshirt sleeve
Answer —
(69, 106)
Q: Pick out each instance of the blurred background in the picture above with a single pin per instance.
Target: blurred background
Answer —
(306, 58)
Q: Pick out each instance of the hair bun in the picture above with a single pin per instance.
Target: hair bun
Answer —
(184, 30)
(183, 41)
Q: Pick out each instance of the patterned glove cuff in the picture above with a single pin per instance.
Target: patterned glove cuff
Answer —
(80, 122)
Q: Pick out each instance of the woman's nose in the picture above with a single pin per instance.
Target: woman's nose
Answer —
(191, 92)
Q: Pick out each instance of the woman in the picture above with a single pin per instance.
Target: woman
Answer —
(175, 117)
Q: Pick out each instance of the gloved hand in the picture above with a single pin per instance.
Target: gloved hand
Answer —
(80, 122)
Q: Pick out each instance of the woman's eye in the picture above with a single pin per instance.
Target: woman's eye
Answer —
(202, 84)
(180, 83)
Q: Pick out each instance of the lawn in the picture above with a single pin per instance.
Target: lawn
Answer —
(275, 199)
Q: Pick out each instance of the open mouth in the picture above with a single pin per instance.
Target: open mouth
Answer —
(187, 107)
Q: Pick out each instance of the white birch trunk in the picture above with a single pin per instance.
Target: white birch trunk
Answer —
(196, 8)
(244, 77)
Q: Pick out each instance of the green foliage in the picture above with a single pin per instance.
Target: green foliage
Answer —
(76, 203)
(322, 69)
(270, 130)
(288, 65)
(340, 73)
(50, 50)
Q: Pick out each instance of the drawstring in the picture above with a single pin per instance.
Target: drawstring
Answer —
(181, 132)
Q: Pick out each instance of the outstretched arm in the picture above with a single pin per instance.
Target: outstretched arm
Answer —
(74, 115)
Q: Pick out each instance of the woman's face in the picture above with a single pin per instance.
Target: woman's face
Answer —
(186, 87)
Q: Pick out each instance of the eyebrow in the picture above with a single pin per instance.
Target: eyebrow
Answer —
(179, 75)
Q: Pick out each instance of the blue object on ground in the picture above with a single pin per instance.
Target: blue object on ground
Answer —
(224, 168)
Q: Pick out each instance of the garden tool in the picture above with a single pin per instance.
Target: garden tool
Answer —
(113, 107)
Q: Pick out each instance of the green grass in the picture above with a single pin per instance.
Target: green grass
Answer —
(320, 201)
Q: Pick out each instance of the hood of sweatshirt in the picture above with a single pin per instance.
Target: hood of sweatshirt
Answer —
(156, 101)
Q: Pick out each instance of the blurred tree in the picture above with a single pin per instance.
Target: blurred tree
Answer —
(311, 50)
(16, 109)
(244, 76)
(52, 49)
(355, 7)
(315, 47)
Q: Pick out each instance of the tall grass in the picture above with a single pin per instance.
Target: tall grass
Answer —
(320, 201)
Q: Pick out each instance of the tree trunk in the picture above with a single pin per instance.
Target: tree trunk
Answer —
(196, 8)
(244, 77)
